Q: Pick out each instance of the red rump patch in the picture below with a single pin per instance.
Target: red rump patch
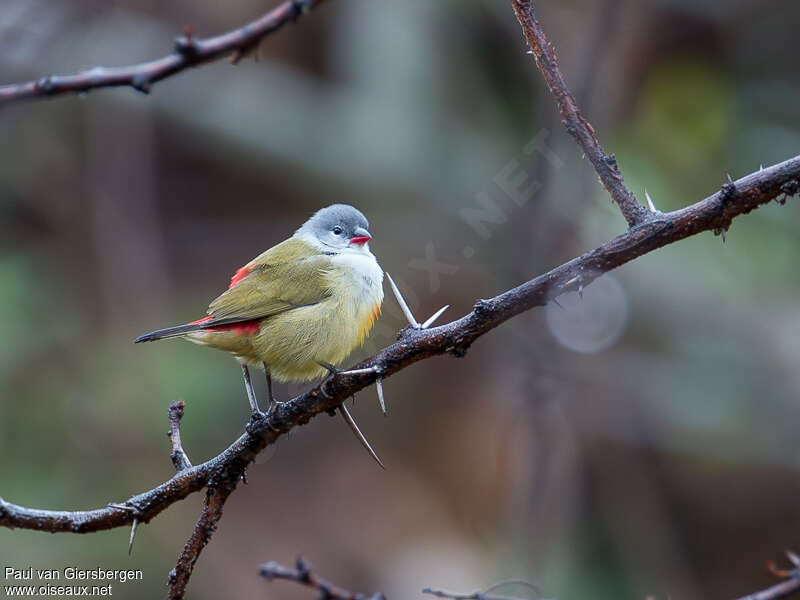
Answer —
(203, 320)
(243, 328)
(239, 275)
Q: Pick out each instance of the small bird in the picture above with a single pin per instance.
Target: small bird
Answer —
(298, 309)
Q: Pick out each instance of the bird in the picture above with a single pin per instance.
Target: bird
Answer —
(298, 309)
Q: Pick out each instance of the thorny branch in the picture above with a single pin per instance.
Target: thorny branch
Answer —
(715, 212)
(189, 52)
(303, 575)
(219, 488)
(578, 127)
(220, 475)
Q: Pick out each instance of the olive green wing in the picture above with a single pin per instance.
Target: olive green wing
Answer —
(287, 276)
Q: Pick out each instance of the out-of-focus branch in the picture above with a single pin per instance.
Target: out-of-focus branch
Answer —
(583, 132)
(484, 594)
(303, 575)
(189, 52)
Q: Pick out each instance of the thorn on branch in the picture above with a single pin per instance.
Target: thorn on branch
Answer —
(133, 535)
(407, 310)
(381, 401)
(650, 204)
(141, 83)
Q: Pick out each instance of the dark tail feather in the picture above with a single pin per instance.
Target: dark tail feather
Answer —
(169, 332)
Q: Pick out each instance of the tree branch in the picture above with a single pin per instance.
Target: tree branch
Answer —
(303, 575)
(583, 132)
(177, 456)
(189, 52)
(220, 475)
(713, 213)
(484, 594)
(217, 493)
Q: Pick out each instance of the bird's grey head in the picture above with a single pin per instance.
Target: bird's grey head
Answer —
(337, 226)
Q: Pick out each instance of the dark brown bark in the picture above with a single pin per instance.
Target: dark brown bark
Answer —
(189, 52)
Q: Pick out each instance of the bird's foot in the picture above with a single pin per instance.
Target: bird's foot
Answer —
(332, 373)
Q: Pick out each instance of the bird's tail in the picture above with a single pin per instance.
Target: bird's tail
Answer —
(178, 330)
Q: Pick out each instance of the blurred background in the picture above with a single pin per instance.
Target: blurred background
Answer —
(639, 443)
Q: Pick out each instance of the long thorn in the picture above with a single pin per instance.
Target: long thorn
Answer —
(379, 385)
(650, 201)
(357, 432)
(360, 371)
(133, 535)
(402, 302)
(434, 316)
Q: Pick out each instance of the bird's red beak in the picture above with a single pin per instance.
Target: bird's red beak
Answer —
(360, 239)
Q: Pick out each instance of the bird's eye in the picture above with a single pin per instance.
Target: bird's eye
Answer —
(337, 230)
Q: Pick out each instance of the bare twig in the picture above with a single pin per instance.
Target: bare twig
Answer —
(178, 456)
(583, 132)
(484, 594)
(718, 210)
(303, 575)
(219, 488)
(189, 52)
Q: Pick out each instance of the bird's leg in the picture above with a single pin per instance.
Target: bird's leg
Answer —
(332, 372)
(251, 394)
(272, 401)
(348, 418)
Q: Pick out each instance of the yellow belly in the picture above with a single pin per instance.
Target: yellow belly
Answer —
(293, 343)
